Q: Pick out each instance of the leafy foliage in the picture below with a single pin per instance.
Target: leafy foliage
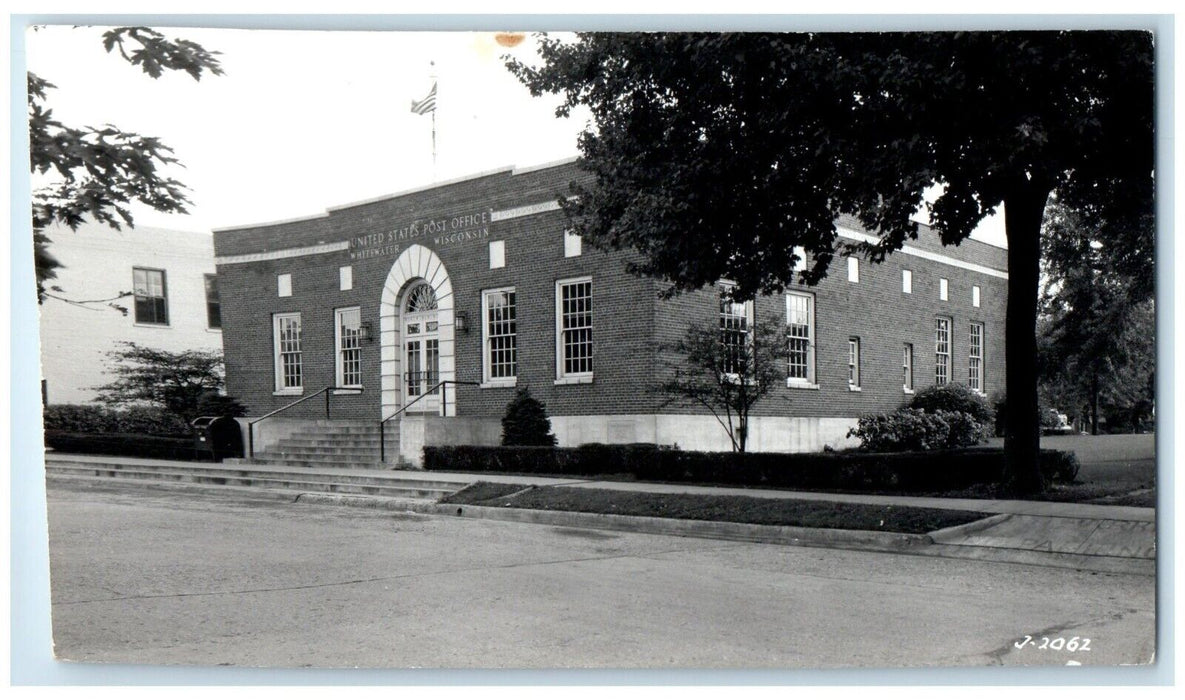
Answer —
(912, 429)
(91, 419)
(727, 380)
(714, 155)
(1097, 349)
(526, 421)
(956, 397)
(97, 172)
(174, 381)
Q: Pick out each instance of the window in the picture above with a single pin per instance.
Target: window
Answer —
(906, 282)
(975, 296)
(574, 329)
(497, 254)
(289, 378)
(943, 289)
(853, 363)
(345, 278)
(572, 244)
(152, 301)
(499, 336)
(975, 358)
(907, 368)
(853, 269)
(941, 350)
(736, 318)
(213, 303)
(348, 323)
(800, 335)
(284, 285)
(800, 262)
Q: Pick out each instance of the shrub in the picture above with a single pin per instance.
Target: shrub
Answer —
(1058, 465)
(98, 420)
(916, 472)
(214, 404)
(143, 446)
(910, 429)
(952, 397)
(526, 422)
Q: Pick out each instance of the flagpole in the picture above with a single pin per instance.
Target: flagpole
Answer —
(436, 85)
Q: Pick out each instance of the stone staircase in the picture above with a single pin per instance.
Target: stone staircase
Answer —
(331, 444)
(275, 480)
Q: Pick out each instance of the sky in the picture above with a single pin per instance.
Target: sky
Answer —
(303, 121)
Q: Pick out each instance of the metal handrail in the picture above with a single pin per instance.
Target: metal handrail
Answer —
(443, 404)
(328, 391)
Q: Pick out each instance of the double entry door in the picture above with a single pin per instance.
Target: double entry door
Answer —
(421, 351)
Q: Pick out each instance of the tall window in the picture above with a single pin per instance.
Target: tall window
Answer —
(736, 319)
(500, 335)
(349, 346)
(975, 357)
(152, 301)
(907, 367)
(213, 303)
(574, 329)
(941, 350)
(289, 375)
(800, 335)
(853, 363)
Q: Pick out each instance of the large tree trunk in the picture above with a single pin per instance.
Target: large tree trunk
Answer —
(1024, 208)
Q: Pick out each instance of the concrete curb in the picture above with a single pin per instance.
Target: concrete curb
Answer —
(948, 533)
(769, 534)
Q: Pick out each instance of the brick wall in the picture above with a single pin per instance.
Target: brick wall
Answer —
(629, 319)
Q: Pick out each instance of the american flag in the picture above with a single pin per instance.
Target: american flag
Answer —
(428, 104)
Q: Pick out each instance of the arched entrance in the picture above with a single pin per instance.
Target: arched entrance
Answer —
(416, 334)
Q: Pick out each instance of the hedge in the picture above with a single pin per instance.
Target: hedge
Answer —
(146, 446)
(934, 470)
(96, 420)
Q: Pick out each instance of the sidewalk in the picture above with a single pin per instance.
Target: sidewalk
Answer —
(1078, 535)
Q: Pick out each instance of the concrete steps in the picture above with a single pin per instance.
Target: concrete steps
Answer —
(261, 477)
(332, 444)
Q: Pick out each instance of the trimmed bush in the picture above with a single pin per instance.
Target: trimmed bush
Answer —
(145, 446)
(100, 420)
(912, 429)
(917, 472)
(526, 422)
(954, 398)
(1059, 465)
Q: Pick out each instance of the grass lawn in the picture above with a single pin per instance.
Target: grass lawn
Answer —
(734, 509)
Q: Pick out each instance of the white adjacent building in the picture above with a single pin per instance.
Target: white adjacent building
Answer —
(174, 303)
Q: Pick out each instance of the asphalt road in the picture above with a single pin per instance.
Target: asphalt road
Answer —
(162, 578)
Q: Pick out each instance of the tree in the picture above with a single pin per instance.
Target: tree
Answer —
(1098, 320)
(526, 422)
(178, 382)
(714, 155)
(97, 172)
(724, 372)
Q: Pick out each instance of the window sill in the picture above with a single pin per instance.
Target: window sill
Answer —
(288, 392)
(141, 324)
(579, 379)
(499, 384)
(347, 390)
(854, 388)
(791, 384)
(905, 390)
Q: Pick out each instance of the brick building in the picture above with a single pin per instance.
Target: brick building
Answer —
(477, 281)
(174, 304)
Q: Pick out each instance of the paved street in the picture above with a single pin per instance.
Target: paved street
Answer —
(159, 578)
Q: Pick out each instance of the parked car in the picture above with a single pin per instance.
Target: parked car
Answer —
(1056, 424)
